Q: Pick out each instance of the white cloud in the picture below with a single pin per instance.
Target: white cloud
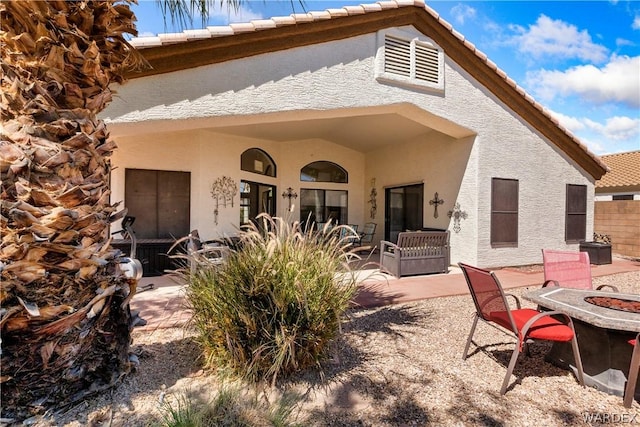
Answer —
(616, 128)
(242, 14)
(225, 14)
(461, 12)
(636, 23)
(624, 42)
(617, 81)
(573, 124)
(146, 34)
(556, 38)
(597, 147)
(600, 137)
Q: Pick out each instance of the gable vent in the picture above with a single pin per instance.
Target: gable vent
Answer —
(427, 63)
(411, 61)
(397, 56)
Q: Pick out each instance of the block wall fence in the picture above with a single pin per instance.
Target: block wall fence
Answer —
(620, 219)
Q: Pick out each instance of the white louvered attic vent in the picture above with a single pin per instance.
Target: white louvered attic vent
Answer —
(427, 63)
(412, 61)
(397, 56)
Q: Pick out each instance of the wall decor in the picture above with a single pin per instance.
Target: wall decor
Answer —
(372, 199)
(289, 193)
(223, 190)
(457, 214)
(435, 202)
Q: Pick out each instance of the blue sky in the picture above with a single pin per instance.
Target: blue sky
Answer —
(580, 59)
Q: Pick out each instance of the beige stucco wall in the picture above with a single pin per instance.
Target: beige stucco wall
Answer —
(440, 163)
(160, 122)
(208, 156)
(509, 148)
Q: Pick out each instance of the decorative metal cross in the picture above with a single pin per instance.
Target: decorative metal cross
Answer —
(457, 214)
(289, 193)
(435, 202)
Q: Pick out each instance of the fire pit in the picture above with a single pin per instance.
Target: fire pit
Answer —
(604, 323)
(615, 303)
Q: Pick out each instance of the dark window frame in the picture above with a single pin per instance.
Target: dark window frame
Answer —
(323, 209)
(504, 212)
(160, 200)
(337, 170)
(406, 215)
(575, 224)
(248, 201)
(249, 157)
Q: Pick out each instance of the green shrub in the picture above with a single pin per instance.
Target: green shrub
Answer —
(276, 304)
(231, 406)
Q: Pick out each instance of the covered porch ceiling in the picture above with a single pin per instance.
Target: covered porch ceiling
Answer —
(361, 129)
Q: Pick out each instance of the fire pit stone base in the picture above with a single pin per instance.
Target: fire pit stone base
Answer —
(605, 354)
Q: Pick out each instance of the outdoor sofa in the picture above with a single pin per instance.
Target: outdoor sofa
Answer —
(417, 252)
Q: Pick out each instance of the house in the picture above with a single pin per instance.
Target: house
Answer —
(622, 181)
(617, 203)
(374, 113)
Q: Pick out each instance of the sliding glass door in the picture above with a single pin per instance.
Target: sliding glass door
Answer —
(403, 210)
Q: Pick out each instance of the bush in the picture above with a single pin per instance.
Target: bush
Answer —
(274, 306)
(230, 406)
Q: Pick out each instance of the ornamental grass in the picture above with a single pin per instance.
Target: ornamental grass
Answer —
(229, 406)
(276, 304)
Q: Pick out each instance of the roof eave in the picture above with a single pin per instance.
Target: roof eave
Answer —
(631, 188)
(194, 53)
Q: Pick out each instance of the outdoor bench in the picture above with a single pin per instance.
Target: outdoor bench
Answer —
(417, 252)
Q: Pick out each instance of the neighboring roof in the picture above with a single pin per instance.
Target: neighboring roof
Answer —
(193, 48)
(624, 171)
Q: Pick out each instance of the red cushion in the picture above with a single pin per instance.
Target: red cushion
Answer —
(545, 328)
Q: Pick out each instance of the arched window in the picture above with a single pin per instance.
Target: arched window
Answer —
(257, 161)
(323, 171)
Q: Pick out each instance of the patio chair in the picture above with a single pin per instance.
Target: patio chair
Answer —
(630, 389)
(349, 236)
(367, 233)
(569, 269)
(525, 323)
(211, 251)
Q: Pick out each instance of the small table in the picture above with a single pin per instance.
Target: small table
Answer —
(602, 335)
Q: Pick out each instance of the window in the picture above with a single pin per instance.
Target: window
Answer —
(504, 212)
(576, 220)
(257, 161)
(323, 171)
(159, 200)
(256, 198)
(410, 60)
(323, 206)
(623, 197)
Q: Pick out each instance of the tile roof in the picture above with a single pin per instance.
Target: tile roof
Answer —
(297, 19)
(624, 170)
(279, 21)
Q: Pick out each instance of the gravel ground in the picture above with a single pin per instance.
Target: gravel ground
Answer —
(398, 365)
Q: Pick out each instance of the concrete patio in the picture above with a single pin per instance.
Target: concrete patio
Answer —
(163, 305)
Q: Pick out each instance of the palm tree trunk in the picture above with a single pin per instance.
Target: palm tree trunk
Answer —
(65, 318)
